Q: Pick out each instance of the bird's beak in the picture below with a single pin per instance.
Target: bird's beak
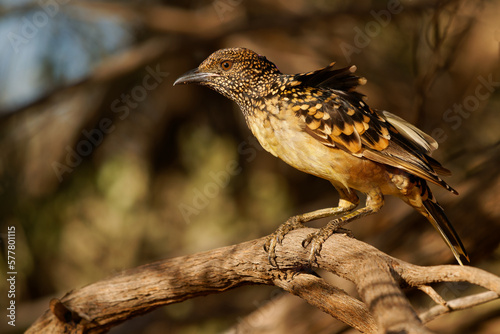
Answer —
(194, 76)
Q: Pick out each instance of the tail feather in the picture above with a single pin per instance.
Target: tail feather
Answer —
(441, 223)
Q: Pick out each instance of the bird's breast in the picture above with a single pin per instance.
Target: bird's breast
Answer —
(281, 133)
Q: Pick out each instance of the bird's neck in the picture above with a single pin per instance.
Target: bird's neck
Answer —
(265, 87)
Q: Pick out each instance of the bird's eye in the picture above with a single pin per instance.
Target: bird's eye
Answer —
(226, 65)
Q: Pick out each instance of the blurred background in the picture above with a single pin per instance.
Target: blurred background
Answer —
(104, 165)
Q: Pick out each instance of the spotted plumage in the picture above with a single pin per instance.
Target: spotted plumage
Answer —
(318, 123)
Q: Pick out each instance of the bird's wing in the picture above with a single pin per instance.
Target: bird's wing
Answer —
(342, 79)
(411, 132)
(337, 117)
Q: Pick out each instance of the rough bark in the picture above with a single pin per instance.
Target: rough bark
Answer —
(379, 279)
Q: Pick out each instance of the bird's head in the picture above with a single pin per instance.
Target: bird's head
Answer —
(237, 73)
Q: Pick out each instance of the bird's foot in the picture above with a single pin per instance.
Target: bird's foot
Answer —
(317, 239)
(277, 237)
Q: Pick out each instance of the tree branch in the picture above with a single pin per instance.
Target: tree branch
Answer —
(378, 278)
(458, 304)
(329, 299)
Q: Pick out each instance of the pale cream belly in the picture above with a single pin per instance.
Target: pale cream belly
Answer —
(287, 141)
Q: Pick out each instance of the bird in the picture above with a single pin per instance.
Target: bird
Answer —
(318, 123)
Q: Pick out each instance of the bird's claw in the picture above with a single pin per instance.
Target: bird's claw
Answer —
(317, 239)
(270, 248)
(278, 236)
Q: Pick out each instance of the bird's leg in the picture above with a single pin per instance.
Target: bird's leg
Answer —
(374, 202)
(348, 201)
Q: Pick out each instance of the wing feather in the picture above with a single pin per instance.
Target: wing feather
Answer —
(411, 132)
(338, 117)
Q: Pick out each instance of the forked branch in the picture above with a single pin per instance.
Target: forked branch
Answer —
(378, 278)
